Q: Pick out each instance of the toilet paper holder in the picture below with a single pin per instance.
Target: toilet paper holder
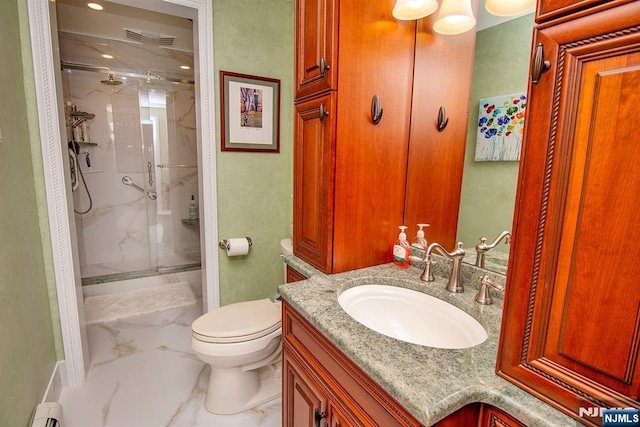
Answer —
(224, 244)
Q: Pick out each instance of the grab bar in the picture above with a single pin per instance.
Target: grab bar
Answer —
(162, 165)
(126, 180)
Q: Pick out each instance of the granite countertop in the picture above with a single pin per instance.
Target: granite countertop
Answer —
(430, 383)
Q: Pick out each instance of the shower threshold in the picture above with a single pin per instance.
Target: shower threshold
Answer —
(106, 278)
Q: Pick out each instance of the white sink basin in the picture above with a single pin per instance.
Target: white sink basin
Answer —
(412, 316)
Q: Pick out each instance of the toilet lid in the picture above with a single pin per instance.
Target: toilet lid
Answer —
(238, 322)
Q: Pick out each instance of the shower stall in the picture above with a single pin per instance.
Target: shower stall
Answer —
(133, 154)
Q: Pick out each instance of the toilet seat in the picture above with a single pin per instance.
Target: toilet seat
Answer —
(240, 322)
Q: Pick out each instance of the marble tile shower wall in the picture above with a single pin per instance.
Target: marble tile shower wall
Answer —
(114, 236)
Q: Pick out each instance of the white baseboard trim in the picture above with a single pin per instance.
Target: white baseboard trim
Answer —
(56, 383)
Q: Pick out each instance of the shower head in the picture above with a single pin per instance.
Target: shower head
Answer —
(111, 81)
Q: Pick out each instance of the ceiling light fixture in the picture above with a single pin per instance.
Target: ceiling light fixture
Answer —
(508, 7)
(95, 6)
(185, 67)
(106, 56)
(455, 17)
(413, 9)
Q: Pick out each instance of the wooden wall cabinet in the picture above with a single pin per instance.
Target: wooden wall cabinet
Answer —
(571, 323)
(348, 204)
(436, 158)
(316, 41)
(349, 172)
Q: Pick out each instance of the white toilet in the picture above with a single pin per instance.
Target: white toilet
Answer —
(241, 342)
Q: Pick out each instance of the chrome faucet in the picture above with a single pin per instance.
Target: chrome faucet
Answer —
(455, 278)
(484, 296)
(482, 248)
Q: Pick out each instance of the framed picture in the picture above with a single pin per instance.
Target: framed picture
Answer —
(500, 127)
(250, 113)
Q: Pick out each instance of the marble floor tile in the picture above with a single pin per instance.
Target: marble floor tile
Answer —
(143, 373)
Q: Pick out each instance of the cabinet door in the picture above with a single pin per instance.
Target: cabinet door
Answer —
(315, 37)
(494, 417)
(443, 70)
(313, 171)
(305, 405)
(376, 58)
(294, 276)
(573, 300)
(550, 9)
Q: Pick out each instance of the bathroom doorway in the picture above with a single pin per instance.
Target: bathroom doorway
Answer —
(51, 122)
(133, 156)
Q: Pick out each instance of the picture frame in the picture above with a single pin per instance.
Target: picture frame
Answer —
(250, 113)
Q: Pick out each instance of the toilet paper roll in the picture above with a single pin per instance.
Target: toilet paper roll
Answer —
(238, 246)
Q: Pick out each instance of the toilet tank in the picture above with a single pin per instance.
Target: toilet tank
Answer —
(286, 248)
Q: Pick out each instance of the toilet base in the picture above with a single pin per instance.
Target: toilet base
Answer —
(232, 391)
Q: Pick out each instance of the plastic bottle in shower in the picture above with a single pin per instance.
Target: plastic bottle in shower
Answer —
(193, 208)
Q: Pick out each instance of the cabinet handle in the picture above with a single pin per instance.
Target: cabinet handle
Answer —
(539, 65)
(318, 418)
(323, 113)
(324, 67)
(150, 170)
(443, 121)
(376, 111)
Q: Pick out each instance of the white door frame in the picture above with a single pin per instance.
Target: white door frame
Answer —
(59, 207)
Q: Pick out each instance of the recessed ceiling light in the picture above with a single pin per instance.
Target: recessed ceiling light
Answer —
(105, 56)
(185, 67)
(95, 6)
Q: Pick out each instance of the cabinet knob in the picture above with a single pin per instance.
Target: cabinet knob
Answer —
(376, 110)
(324, 67)
(539, 65)
(443, 121)
(323, 113)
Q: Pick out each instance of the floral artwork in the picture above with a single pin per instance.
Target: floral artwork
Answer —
(500, 127)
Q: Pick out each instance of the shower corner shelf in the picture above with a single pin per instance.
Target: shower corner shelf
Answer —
(79, 117)
(191, 222)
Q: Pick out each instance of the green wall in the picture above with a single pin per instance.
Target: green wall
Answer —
(255, 37)
(28, 350)
(501, 67)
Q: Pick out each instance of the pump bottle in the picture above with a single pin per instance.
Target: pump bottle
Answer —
(420, 242)
(401, 249)
(193, 209)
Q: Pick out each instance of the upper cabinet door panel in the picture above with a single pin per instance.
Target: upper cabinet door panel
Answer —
(314, 151)
(376, 58)
(443, 69)
(573, 301)
(549, 9)
(316, 34)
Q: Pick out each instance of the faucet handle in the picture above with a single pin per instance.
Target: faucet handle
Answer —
(484, 295)
(427, 275)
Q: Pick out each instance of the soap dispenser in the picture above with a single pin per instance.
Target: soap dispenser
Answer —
(401, 249)
(193, 209)
(420, 242)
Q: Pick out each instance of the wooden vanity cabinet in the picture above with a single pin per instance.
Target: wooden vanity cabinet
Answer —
(494, 417)
(294, 276)
(319, 378)
(571, 325)
(349, 172)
